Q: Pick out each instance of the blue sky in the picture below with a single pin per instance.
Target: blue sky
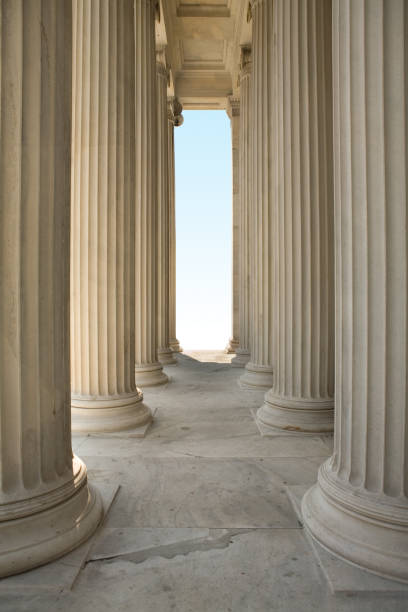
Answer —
(203, 229)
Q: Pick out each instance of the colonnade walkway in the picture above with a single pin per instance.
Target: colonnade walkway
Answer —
(199, 517)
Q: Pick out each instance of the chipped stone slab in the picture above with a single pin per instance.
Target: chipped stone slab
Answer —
(139, 544)
(237, 571)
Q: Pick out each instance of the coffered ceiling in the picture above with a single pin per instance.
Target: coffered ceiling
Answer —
(203, 39)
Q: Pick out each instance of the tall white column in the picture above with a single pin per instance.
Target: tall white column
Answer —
(175, 119)
(104, 396)
(148, 369)
(233, 113)
(258, 373)
(359, 508)
(164, 352)
(301, 399)
(243, 352)
(46, 505)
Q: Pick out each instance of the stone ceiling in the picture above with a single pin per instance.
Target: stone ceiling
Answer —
(203, 39)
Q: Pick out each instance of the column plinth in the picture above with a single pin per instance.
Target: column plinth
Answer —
(104, 394)
(256, 377)
(359, 508)
(242, 356)
(259, 370)
(301, 399)
(46, 505)
(148, 370)
(243, 353)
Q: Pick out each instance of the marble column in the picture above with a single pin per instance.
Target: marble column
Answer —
(301, 399)
(175, 119)
(104, 396)
(243, 352)
(46, 505)
(359, 508)
(148, 369)
(164, 351)
(233, 113)
(258, 373)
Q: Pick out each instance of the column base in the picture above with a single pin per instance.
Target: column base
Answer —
(166, 356)
(232, 346)
(256, 377)
(296, 417)
(104, 415)
(241, 358)
(367, 530)
(175, 345)
(36, 539)
(150, 375)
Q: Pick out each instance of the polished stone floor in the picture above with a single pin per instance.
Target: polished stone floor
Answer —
(201, 519)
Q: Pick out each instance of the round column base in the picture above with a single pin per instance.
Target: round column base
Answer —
(241, 358)
(166, 356)
(232, 346)
(175, 345)
(256, 377)
(150, 375)
(363, 529)
(296, 417)
(36, 539)
(104, 415)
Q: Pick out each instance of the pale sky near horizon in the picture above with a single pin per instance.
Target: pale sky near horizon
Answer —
(203, 229)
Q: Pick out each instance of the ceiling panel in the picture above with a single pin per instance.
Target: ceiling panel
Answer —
(206, 8)
(203, 54)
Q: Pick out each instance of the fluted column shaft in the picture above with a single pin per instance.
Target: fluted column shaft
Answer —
(301, 400)
(174, 118)
(164, 352)
(245, 194)
(233, 113)
(46, 507)
(359, 509)
(104, 395)
(147, 367)
(258, 373)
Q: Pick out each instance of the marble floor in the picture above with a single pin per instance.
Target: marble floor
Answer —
(199, 516)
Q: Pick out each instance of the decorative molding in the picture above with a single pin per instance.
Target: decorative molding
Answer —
(233, 106)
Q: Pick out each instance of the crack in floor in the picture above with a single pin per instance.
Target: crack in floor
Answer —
(169, 551)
